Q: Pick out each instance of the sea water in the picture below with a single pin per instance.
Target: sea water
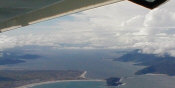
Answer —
(98, 65)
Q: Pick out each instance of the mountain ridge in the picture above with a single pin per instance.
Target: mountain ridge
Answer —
(154, 64)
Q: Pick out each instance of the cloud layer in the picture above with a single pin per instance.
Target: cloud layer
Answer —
(122, 25)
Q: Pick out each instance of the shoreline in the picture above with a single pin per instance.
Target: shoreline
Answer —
(50, 82)
(83, 75)
(154, 74)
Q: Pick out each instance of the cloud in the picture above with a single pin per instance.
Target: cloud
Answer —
(122, 25)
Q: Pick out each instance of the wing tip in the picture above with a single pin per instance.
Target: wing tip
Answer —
(149, 4)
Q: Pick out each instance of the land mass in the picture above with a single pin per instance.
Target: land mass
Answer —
(154, 64)
(113, 81)
(16, 78)
(13, 58)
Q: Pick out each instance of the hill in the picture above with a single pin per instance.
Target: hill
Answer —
(154, 63)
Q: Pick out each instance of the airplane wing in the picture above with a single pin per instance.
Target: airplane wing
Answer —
(19, 13)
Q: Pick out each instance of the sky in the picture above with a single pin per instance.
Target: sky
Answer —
(122, 25)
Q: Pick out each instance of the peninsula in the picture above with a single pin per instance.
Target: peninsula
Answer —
(17, 78)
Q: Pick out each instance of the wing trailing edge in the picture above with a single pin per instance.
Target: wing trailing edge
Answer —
(54, 10)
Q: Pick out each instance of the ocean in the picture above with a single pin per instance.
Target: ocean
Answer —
(98, 64)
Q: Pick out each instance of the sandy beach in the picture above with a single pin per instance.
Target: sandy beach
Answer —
(48, 82)
(152, 74)
(83, 75)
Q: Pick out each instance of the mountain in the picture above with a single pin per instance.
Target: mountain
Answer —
(154, 64)
(7, 58)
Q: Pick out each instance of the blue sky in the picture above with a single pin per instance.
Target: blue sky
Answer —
(122, 25)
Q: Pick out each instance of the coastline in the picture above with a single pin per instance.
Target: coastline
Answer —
(154, 74)
(49, 82)
(83, 75)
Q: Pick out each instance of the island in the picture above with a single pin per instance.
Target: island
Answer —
(13, 58)
(17, 78)
(113, 81)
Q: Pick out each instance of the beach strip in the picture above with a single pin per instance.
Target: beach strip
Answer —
(49, 82)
